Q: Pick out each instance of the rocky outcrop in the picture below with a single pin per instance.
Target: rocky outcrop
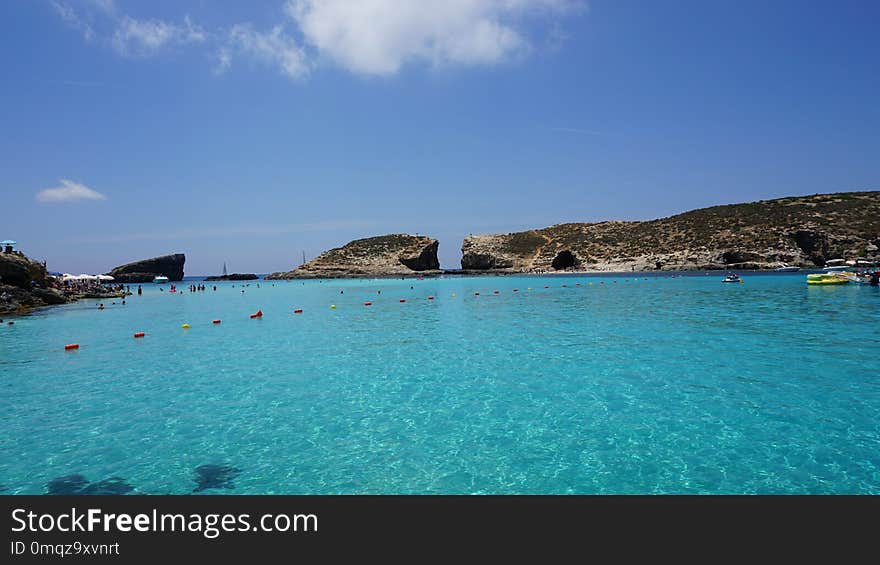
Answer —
(144, 271)
(383, 256)
(804, 231)
(233, 277)
(25, 284)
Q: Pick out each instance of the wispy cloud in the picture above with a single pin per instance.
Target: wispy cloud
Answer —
(69, 16)
(274, 47)
(146, 37)
(69, 191)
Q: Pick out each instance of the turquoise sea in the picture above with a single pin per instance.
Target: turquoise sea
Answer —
(608, 384)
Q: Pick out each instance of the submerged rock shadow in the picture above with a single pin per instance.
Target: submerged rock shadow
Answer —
(77, 484)
(215, 476)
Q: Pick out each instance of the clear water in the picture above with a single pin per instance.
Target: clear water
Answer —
(664, 385)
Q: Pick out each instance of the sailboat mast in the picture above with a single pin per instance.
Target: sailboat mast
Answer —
(304, 256)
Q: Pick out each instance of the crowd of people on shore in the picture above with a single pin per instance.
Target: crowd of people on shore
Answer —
(80, 287)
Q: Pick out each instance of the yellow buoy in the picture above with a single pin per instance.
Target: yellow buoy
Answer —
(530, 288)
(453, 295)
(185, 326)
(333, 307)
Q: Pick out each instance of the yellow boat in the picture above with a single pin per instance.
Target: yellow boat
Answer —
(828, 278)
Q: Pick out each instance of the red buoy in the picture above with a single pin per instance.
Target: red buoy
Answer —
(139, 334)
(402, 300)
(258, 314)
(215, 321)
(368, 303)
(298, 311)
(71, 346)
(430, 298)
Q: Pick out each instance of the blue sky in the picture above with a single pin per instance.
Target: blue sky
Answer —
(249, 132)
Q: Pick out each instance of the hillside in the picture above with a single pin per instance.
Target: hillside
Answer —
(804, 231)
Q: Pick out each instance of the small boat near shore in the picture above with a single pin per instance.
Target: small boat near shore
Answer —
(732, 278)
(160, 279)
(836, 265)
(787, 269)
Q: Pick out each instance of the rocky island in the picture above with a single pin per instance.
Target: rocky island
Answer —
(393, 255)
(800, 231)
(170, 266)
(233, 277)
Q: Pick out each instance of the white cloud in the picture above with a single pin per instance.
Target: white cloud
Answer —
(374, 37)
(273, 47)
(381, 36)
(69, 191)
(146, 37)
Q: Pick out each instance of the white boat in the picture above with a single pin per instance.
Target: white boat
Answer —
(732, 278)
(787, 269)
(160, 279)
(833, 265)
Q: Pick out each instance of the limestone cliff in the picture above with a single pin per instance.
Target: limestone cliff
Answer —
(144, 271)
(24, 284)
(381, 256)
(804, 231)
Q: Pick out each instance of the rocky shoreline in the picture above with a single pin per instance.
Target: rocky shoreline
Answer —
(801, 232)
(797, 231)
(25, 284)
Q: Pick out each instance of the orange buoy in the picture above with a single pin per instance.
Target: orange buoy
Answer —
(258, 314)
(430, 298)
(139, 334)
(71, 346)
(402, 300)
(298, 311)
(215, 321)
(368, 303)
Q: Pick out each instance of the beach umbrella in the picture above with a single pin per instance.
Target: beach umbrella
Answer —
(105, 278)
(84, 277)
